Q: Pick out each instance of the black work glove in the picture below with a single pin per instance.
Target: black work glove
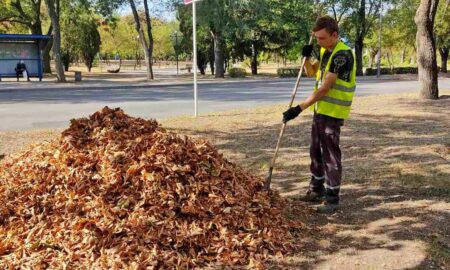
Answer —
(291, 113)
(307, 50)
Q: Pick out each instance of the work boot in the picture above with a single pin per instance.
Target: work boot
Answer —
(311, 196)
(316, 191)
(328, 208)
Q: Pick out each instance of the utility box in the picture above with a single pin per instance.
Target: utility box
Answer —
(78, 76)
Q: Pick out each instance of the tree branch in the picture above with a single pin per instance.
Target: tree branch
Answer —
(19, 9)
(373, 19)
(432, 11)
(334, 11)
(11, 19)
(5, 19)
(138, 24)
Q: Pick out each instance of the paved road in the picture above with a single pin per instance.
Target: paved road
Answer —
(49, 105)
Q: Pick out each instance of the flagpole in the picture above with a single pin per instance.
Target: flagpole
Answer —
(194, 64)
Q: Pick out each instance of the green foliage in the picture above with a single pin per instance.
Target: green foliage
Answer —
(80, 37)
(13, 28)
(442, 25)
(237, 72)
(89, 41)
(120, 38)
(106, 8)
(24, 16)
(252, 31)
(247, 63)
(399, 29)
(287, 72)
(398, 32)
(396, 70)
(248, 28)
(204, 38)
(164, 39)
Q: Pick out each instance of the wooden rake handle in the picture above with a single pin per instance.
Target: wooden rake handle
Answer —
(294, 92)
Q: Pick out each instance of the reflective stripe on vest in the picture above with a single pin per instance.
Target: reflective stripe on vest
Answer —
(343, 88)
(338, 101)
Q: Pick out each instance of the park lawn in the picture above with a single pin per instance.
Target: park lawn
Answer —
(396, 187)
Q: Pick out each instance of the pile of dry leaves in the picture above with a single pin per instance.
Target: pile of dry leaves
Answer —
(117, 192)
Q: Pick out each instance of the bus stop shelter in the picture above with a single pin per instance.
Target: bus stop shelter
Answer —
(16, 47)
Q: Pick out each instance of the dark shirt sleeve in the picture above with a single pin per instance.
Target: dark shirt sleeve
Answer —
(342, 64)
(316, 53)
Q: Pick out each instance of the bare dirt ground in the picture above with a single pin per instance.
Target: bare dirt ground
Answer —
(396, 189)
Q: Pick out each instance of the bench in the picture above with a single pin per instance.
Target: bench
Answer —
(13, 75)
(188, 67)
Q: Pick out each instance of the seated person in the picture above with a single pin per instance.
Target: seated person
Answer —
(20, 68)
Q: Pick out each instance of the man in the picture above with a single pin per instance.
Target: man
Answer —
(20, 69)
(331, 101)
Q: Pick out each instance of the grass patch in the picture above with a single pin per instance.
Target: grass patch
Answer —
(396, 184)
(439, 251)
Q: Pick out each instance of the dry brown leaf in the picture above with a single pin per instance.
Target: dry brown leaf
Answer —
(117, 192)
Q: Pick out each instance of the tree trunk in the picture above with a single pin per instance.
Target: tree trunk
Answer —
(359, 43)
(36, 25)
(54, 17)
(150, 40)
(254, 64)
(276, 59)
(201, 60)
(390, 58)
(402, 56)
(372, 54)
(226, 63)
(147, 51)
(65, 58)
(218, 55)
(426, 49)
(359, 39)
(46, 52)
(211, 57)
(444, 56)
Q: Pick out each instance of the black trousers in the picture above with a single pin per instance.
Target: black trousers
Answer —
(325, 153)
(20, 72)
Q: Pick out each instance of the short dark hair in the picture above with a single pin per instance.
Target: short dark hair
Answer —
(328, 23)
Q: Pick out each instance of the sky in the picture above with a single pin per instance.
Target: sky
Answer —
(157, 11)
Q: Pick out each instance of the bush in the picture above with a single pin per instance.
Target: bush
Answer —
(287, 72)
(405, 70)
(397, 70)
(237, 72)
(373, 71)
(247, 63)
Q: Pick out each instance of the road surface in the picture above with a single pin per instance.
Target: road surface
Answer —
(53, 105)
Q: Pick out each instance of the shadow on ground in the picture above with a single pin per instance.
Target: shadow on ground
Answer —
(396, 198)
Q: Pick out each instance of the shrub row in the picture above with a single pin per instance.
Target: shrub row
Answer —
(237, 72)
(286, 72)
(397, 70)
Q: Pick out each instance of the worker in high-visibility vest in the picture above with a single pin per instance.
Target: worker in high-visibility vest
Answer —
(335, 71)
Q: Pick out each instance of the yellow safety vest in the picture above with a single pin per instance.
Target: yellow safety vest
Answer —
(338, 101)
